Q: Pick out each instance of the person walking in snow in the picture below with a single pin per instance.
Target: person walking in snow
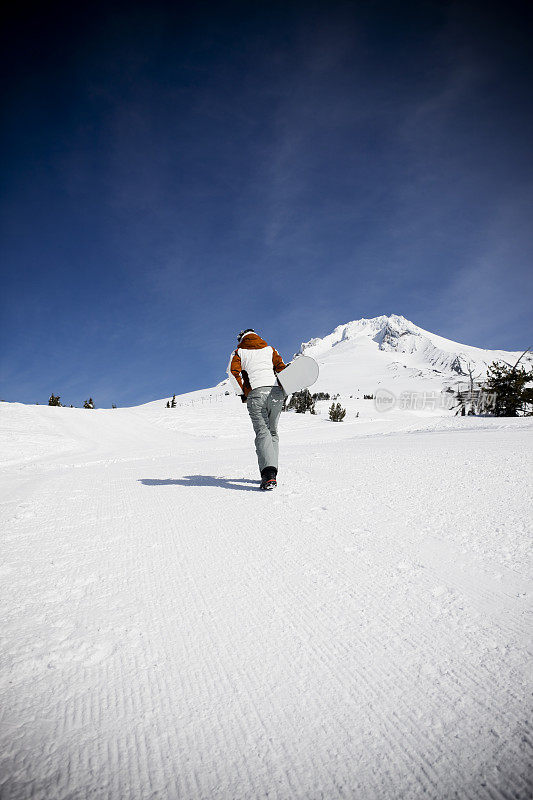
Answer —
(252, 372)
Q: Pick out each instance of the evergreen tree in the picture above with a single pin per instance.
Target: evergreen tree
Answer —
(527, 397)
(321, 396)
(508, 384)
(168, 403)
(336, 412)
(173, 404)
(54, 400)
(89, 403)
(301, 402)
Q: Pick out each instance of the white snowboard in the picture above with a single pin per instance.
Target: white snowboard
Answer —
(299, 374)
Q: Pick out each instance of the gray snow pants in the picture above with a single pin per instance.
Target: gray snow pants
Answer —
(264, 407)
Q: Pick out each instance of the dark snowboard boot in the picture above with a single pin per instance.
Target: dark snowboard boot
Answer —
(268, 478)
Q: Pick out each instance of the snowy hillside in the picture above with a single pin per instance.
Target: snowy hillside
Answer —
(395, 354)
(168, 631)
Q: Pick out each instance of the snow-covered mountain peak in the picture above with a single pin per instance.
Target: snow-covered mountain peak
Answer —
(392, 334)
(393, 352)
(385, 330)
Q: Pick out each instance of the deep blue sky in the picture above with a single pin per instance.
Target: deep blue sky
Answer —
(174, 172)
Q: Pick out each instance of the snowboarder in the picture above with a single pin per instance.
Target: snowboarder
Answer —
(252, 372)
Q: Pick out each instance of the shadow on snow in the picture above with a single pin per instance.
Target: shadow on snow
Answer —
(204, 480)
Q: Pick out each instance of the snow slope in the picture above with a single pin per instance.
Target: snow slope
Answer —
(393, 353)
(168, 631)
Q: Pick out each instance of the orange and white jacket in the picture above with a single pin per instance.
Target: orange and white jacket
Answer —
(253, 364)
